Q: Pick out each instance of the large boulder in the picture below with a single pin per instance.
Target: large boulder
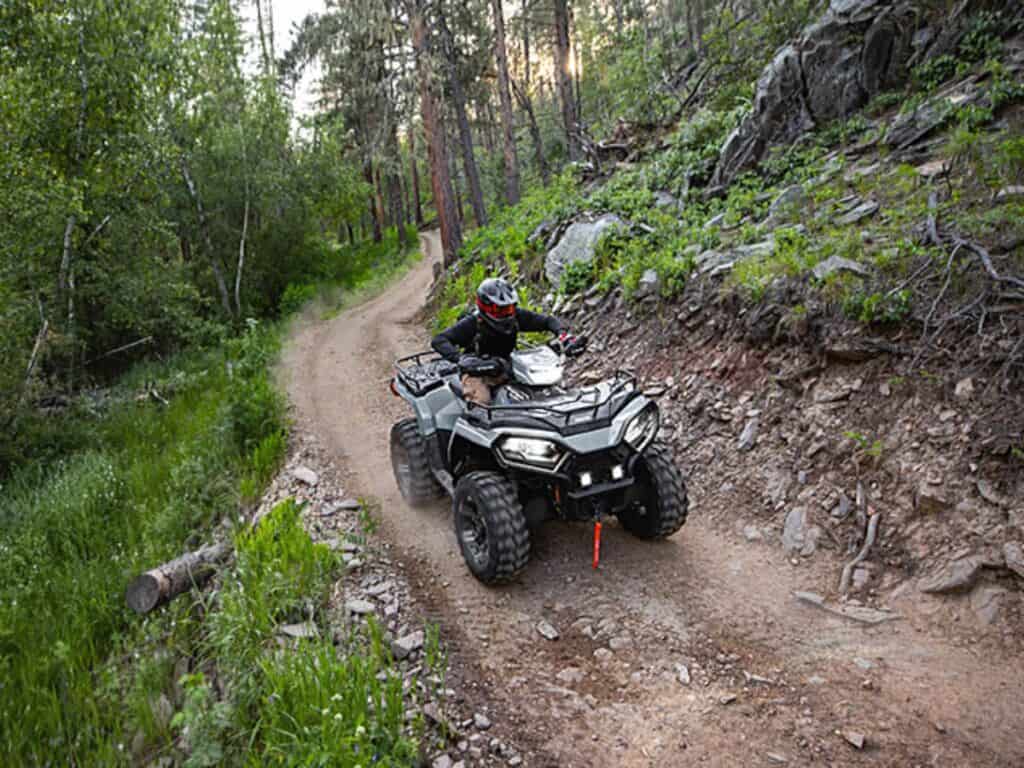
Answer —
(577, 244)
(856, 50)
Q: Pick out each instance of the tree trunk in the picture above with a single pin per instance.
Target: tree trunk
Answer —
(245, 231)
(394, 184)
(418, 206)
(507, 123)
(204, 229)
(437, 149)
(458, 102)
(156, 587)
(457, 186)
(369, 178)
(535, 135)
(617, 7)
(563, 79)
(378, 199)
(241, 254)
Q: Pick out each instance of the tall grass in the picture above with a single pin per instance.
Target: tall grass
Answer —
(73, 534)
(309, 704)
(203, 682)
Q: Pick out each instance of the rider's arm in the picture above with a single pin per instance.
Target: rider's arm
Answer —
(536, 322)
(460, 336)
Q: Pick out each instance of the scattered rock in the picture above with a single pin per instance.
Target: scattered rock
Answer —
(406, 645)
(728, 698)
(1008, 193)
(860, 212)
(933, 168)
(856, 613)
(791, 198)
(910, 127)
(986, 601)
(834, 264)
(794, 533)
(861, 577)
(570, 676)
(1013, 554)
(481, 722)
(303, 630)
(714, 221)
(306, 476)
(603, 654)
(855, 738)
(931, 499)
(649, 284)
(547, 630)
(620, 642)
(842, 508)
(956, 576)
(683, 674)
(663, 199)
(748, 439)
(441, 761)
(577, 244)
(358, 607)
(775, 758)
(752, 533)
(964, 389)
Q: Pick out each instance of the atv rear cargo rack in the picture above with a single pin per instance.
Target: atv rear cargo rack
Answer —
(423, 372)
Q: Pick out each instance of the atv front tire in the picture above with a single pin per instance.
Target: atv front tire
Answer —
(659, 505)
(491, 527)
(411, 465)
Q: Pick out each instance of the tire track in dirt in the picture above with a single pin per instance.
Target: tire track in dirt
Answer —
(722, 608)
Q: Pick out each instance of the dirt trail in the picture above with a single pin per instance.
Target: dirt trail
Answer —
(801, 679)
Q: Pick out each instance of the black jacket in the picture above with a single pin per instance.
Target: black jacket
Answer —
(470, 335)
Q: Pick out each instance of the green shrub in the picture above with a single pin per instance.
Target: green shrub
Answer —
(878, 308)
(577, 277)
(295, 297)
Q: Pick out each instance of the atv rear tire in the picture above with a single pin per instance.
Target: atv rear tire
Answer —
(491, 527)
(660, 504)
(411, 465)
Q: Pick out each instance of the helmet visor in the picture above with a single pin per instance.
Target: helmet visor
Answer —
(496, 311)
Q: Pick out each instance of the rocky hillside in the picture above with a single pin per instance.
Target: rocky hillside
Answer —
(826, 293)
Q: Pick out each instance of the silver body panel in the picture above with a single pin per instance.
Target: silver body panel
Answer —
(442, 409)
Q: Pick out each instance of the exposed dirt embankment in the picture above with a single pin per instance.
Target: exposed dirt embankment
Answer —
(688, 651)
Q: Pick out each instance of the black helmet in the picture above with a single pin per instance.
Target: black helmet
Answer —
(496, 299)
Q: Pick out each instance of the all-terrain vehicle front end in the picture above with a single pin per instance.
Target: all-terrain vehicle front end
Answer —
(538, 452)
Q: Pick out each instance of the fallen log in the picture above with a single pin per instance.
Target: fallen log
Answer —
(159, 585)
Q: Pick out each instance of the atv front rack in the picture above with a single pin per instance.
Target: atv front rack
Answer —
(580, 412)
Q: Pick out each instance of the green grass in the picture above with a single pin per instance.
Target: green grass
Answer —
(84, 681)
(73, 536)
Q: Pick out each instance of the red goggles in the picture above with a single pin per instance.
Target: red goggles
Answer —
(496, 311)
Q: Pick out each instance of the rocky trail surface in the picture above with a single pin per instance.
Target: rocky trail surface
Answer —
(704, 649)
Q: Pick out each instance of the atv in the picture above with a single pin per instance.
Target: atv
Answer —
(537, 452)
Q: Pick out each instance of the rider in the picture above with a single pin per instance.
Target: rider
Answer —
(491, 331)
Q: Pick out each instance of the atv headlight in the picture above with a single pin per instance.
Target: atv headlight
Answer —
(531, 450)
(642, 429)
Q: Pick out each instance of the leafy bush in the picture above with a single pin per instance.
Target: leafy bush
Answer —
(878, 308)
(577, 277)
(295, 297)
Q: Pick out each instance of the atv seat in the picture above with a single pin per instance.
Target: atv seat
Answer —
(455, 383)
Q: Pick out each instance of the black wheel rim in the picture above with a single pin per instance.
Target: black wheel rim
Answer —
(473, 533)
